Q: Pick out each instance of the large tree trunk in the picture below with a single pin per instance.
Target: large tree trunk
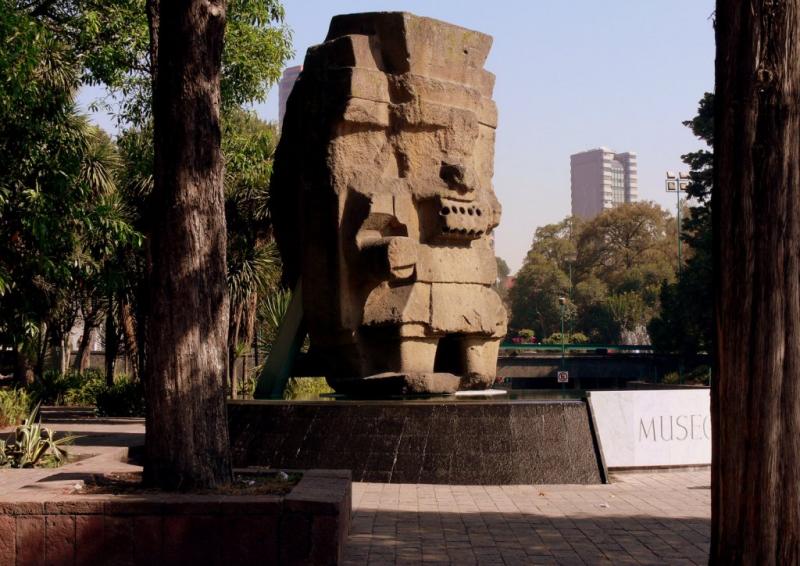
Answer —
(187, 437)
(90, 314)
(756, 203)
(84, 356)
(23, 367)
(128, 325)
(112, 343)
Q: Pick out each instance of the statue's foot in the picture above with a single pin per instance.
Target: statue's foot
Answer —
(401, 383)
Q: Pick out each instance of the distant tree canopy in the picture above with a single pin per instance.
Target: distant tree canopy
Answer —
(609, 270)
(502, 273)
(685, 323)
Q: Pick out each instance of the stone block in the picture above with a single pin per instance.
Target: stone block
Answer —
(382, 191)
(89, 539)
(148, 540)
(59, 545)
(192, 539)
(30, 540)
(8, 540)
(251, 539)
(118, 540)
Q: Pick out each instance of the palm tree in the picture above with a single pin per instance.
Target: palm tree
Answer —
(253, 262)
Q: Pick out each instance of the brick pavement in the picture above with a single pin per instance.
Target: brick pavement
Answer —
(641, 518)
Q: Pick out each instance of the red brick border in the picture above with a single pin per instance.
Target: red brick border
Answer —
(308, 526)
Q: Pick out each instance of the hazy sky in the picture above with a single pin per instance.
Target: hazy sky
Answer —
(571, 75)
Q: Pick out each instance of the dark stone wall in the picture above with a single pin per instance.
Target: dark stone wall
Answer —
(440, 442)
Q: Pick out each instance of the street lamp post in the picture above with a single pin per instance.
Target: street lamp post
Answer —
(570, 259)
(677, 183)
(562, 302)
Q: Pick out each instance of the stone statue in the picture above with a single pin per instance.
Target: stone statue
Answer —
(382, 201)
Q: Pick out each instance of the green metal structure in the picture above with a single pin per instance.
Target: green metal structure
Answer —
(278, 366)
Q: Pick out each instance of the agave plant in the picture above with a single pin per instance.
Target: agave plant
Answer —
(32, 444)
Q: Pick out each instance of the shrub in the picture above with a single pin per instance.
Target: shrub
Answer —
(574, 338)
(246, 388)
(31, 445)
(306, 388)
(14, 405)
(701, 375)
(53, 385)
(86, 393)
(124, 399)
(55, 388)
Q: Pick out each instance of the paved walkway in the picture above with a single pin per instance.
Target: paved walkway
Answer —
(653, 518)
(105, 439)
(643, 518)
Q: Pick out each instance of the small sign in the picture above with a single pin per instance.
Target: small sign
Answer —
(563, 377)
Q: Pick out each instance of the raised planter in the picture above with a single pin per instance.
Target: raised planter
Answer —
(494, 441)
(43, 525)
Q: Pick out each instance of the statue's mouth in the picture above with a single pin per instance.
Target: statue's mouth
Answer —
(463, 220)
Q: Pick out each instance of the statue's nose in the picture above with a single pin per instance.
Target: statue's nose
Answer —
(458, 177)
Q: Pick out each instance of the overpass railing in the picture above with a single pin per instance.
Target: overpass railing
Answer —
(593, 348)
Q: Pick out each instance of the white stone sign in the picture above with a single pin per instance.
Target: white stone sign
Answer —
(660, 427)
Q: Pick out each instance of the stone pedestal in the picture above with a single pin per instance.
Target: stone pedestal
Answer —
(439, 441)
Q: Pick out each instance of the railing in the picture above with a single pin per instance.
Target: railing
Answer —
(607, 348)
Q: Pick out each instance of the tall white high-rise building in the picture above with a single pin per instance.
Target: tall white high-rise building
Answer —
(285, 86)
(602, 179)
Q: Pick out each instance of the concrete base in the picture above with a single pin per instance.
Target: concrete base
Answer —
(439, 441)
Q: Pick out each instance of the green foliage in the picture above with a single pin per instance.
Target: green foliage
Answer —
(274, 307)
(124, 399)
(74, 207)
(253, 265)
(246, 388)
(685, 323)
(112, 41)
(701, 375)
(248, 145)
(502, 272)
(306, 388)
(569, 338)
(56, 388)
(32, 445)
(534, 296)
(609, 270)
(14, 406)
(60, 216)
(85, 394)
(630, 311)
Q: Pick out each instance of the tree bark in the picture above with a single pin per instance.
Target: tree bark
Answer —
(756, 204)
(23, 368)
(112, 343)
(128, 325)
(187, 437)
(90, 314)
